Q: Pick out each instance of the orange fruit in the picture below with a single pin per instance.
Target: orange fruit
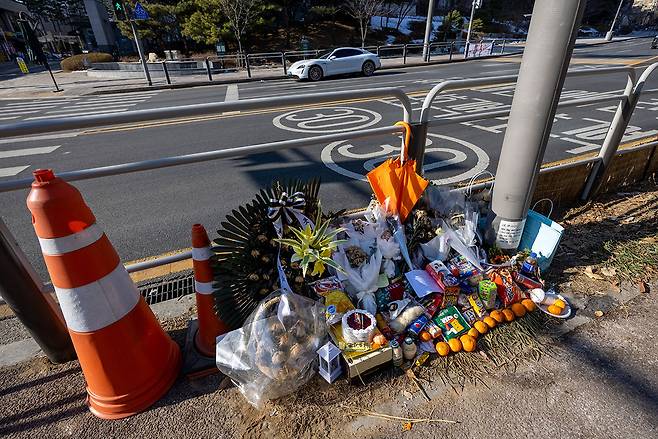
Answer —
(473, 333)
(497, 315)
(553, 309)
(442, 348)
(425, 336)
(455, 344)
(491, 323)
(560, 303)
(518, 309)
(468, 343)
(481, 327)
(509, 315)
(529, 305)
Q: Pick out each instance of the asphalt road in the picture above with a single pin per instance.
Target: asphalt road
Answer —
(152, 212)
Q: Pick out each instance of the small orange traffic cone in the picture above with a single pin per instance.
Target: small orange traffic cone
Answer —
(128, 361)
(209, 324)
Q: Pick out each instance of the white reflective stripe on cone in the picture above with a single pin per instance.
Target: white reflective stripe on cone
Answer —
(203, 287)
(98, 304)
(201, 254)
(71, 243)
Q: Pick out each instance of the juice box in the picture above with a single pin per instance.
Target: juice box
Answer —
(487, 290)
(451, 322)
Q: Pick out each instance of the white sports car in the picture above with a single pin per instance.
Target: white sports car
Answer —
(337, 62)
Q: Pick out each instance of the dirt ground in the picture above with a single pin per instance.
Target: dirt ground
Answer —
(596, 381)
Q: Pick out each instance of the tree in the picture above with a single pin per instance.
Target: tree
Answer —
(363, 11)
(452, 23)
(161, 27)
(404, 9)
(240, 14)
(203, 22)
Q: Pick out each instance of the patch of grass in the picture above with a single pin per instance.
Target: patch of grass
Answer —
(504, 347)
(633, 260)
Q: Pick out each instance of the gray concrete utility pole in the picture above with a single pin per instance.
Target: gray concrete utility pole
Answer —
(541, 77)
(474, 4)
(611, 32)
(428, 30)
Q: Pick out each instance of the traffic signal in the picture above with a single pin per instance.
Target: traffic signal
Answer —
(120, 10)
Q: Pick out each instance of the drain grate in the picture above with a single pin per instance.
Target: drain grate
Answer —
(168, 288)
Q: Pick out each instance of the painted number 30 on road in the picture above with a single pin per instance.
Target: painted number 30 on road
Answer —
(447, 159)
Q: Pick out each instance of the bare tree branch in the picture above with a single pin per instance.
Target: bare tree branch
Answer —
(240, 14)
(363, 11)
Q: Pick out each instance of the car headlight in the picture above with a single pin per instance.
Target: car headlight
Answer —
(301, 67)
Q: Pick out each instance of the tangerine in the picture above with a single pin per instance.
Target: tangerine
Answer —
(509, 315)
(425, 336)
(497, 315)
(455, 344)
(468, 343)
(481, 327)
(553, 309)
(473, 333)
(442, 348)
(529, 305)
(518, 309)
(560, 303)
(491, 323)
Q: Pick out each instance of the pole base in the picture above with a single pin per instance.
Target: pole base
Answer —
(195, 364)
(608, 36)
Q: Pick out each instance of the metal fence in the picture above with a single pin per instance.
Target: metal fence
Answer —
(627, 102)
(279, 62)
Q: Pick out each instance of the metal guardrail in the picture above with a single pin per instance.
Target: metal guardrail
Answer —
(27, 128)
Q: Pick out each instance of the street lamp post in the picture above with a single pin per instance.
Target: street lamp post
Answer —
(474, 5)
(608, 36)
(428, 30)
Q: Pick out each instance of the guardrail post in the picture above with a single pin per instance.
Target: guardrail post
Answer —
(404, 54)
(614, 135)
(418, 142)
(208, 69)
(429, 52)
(502, 50)
(246, 62)
(452, 48)
(283, 61)
(493, 43)
(166, 72)
(25, 294)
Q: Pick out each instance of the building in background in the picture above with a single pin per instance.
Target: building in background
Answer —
(12, 41)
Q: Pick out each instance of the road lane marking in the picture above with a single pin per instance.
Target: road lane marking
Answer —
(28, 151)
(10, 172)
(52, 116)
(36, 138)
(324, 120)
(232, 93)
(89, 107)
(14, 112)
(9, 118)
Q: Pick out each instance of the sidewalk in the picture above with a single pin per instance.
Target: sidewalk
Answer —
(37, 85)
(598, 377)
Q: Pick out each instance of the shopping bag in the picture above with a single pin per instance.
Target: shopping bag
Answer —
(397, 181)
(542, 236)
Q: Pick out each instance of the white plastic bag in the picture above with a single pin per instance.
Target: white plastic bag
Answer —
(274, 353)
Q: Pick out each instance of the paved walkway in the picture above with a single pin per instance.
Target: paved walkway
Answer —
(40, 84)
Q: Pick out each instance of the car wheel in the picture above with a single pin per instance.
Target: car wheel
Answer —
(315, 73)
(368, 68)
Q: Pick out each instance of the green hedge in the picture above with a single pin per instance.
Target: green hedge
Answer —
(77, 62)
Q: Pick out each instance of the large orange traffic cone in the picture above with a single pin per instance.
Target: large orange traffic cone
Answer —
(209, 324)
(128, 361)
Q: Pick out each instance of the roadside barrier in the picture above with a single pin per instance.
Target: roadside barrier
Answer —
(209, 324)
(128, 361)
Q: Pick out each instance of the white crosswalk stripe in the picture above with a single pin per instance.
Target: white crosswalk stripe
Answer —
(73, 106)
(10, 172)
(28, 151)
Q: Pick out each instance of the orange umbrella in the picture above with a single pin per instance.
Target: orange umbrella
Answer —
(396, 181)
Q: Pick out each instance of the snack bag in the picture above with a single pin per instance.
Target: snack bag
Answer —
(508, 291)
(452, 323)
(487, 290)
(477, 306)
(470, 316)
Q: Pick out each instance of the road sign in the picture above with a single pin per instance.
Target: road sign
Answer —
(139, 12)
(22, 65)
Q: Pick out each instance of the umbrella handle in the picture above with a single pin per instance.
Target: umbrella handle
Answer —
(404, 151)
